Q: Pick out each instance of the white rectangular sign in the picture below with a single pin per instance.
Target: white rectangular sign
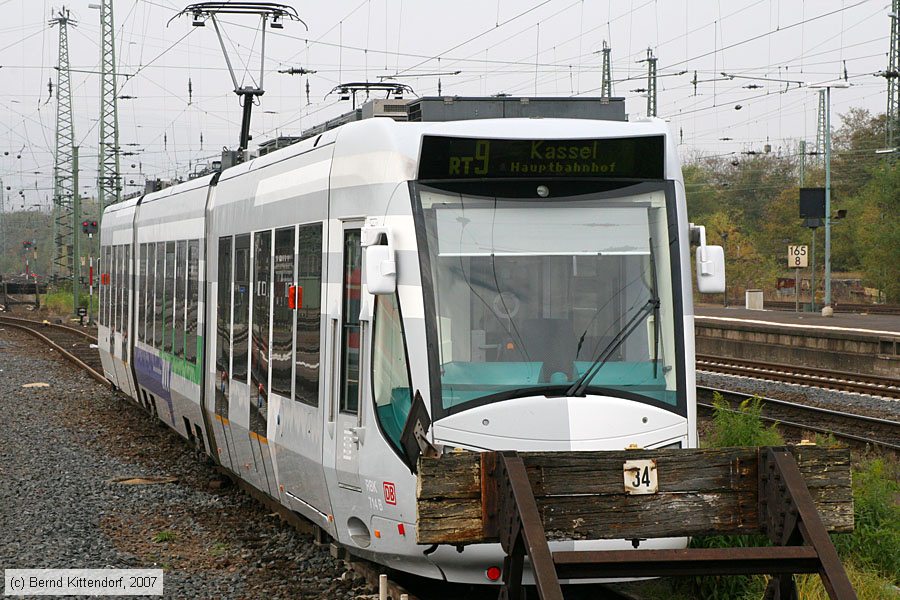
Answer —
(640, 477)
(798, 257)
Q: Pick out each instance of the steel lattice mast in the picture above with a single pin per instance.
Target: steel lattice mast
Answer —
(109, 185)
(651, 82)
(821, 129)
(893, 78)
(606, 76)
(63, 264)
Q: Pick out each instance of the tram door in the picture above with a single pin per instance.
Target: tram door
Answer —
(348, 335)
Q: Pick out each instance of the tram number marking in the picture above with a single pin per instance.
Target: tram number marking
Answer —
(467, 165)
(641, 477)
(372, 494)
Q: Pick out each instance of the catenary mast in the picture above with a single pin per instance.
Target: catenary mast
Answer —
(109, 186)
(63, 265)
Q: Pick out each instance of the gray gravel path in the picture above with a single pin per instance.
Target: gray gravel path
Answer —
(59, 448)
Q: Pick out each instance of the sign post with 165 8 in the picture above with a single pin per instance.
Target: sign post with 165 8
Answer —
(798, 257)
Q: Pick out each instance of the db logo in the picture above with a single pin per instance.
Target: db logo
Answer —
(390, 493)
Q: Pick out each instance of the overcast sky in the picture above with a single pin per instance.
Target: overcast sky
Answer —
(522, 47)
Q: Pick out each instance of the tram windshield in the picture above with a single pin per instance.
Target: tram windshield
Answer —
(550, 296)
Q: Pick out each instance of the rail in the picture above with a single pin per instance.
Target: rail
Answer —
(794, 495)
(873, 385)
(33, 328)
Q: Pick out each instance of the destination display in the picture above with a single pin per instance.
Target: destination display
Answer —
(474, 158)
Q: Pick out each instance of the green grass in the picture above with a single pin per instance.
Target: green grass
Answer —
(218, 549)
(874, 544)
(164, 536)
(58, 302)
(742, 427)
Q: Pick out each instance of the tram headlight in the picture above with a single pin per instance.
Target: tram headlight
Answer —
(543, 191)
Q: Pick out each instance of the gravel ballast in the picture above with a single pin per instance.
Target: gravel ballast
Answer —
(60, 448)
(863, 404)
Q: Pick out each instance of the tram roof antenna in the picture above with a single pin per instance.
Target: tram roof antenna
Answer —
(273, 13)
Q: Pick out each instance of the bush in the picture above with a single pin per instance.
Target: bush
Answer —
(871, 554)
(875, 541)
(735, 428)
(58, 302)
(742, 427)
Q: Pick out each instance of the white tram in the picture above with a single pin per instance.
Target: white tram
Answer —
(521, 283)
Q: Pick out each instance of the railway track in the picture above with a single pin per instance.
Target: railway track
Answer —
(872, 309)
(75, 345)
(78, 346)
(834, 380)
(851, 427)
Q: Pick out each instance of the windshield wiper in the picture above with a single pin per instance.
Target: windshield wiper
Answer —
(577, 388)
(655, 312)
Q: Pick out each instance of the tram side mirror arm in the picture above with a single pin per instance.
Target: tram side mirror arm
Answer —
(710, 263)
(381, 264)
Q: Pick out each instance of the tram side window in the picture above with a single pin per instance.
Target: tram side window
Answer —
(282, 313)
(350, 326)
(241, 306)
(223, 327)
(390, 369)
(180, 281)
(107, 294)
(309, 318)
(120, 288)
(101, 287)
(169, 300)
(142, 290)
(111, 289)
(193, 300)
(151, 289)
(159, 289)
(259, 357)
(126, 280)
(117, 288)
(117, 274)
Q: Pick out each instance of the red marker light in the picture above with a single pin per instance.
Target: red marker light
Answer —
(493, 573)
(401, 529)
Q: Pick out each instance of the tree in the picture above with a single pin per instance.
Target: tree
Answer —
(745, 266)
(878, 232)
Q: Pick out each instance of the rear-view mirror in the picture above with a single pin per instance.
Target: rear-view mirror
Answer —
(711, 269)
(381, 270)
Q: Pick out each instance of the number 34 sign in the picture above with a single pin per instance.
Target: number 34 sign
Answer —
(641, 477)
(798, 257)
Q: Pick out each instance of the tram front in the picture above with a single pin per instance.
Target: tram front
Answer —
(555, 305)
(555, 310)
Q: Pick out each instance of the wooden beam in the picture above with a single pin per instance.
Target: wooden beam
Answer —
(581, 495)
